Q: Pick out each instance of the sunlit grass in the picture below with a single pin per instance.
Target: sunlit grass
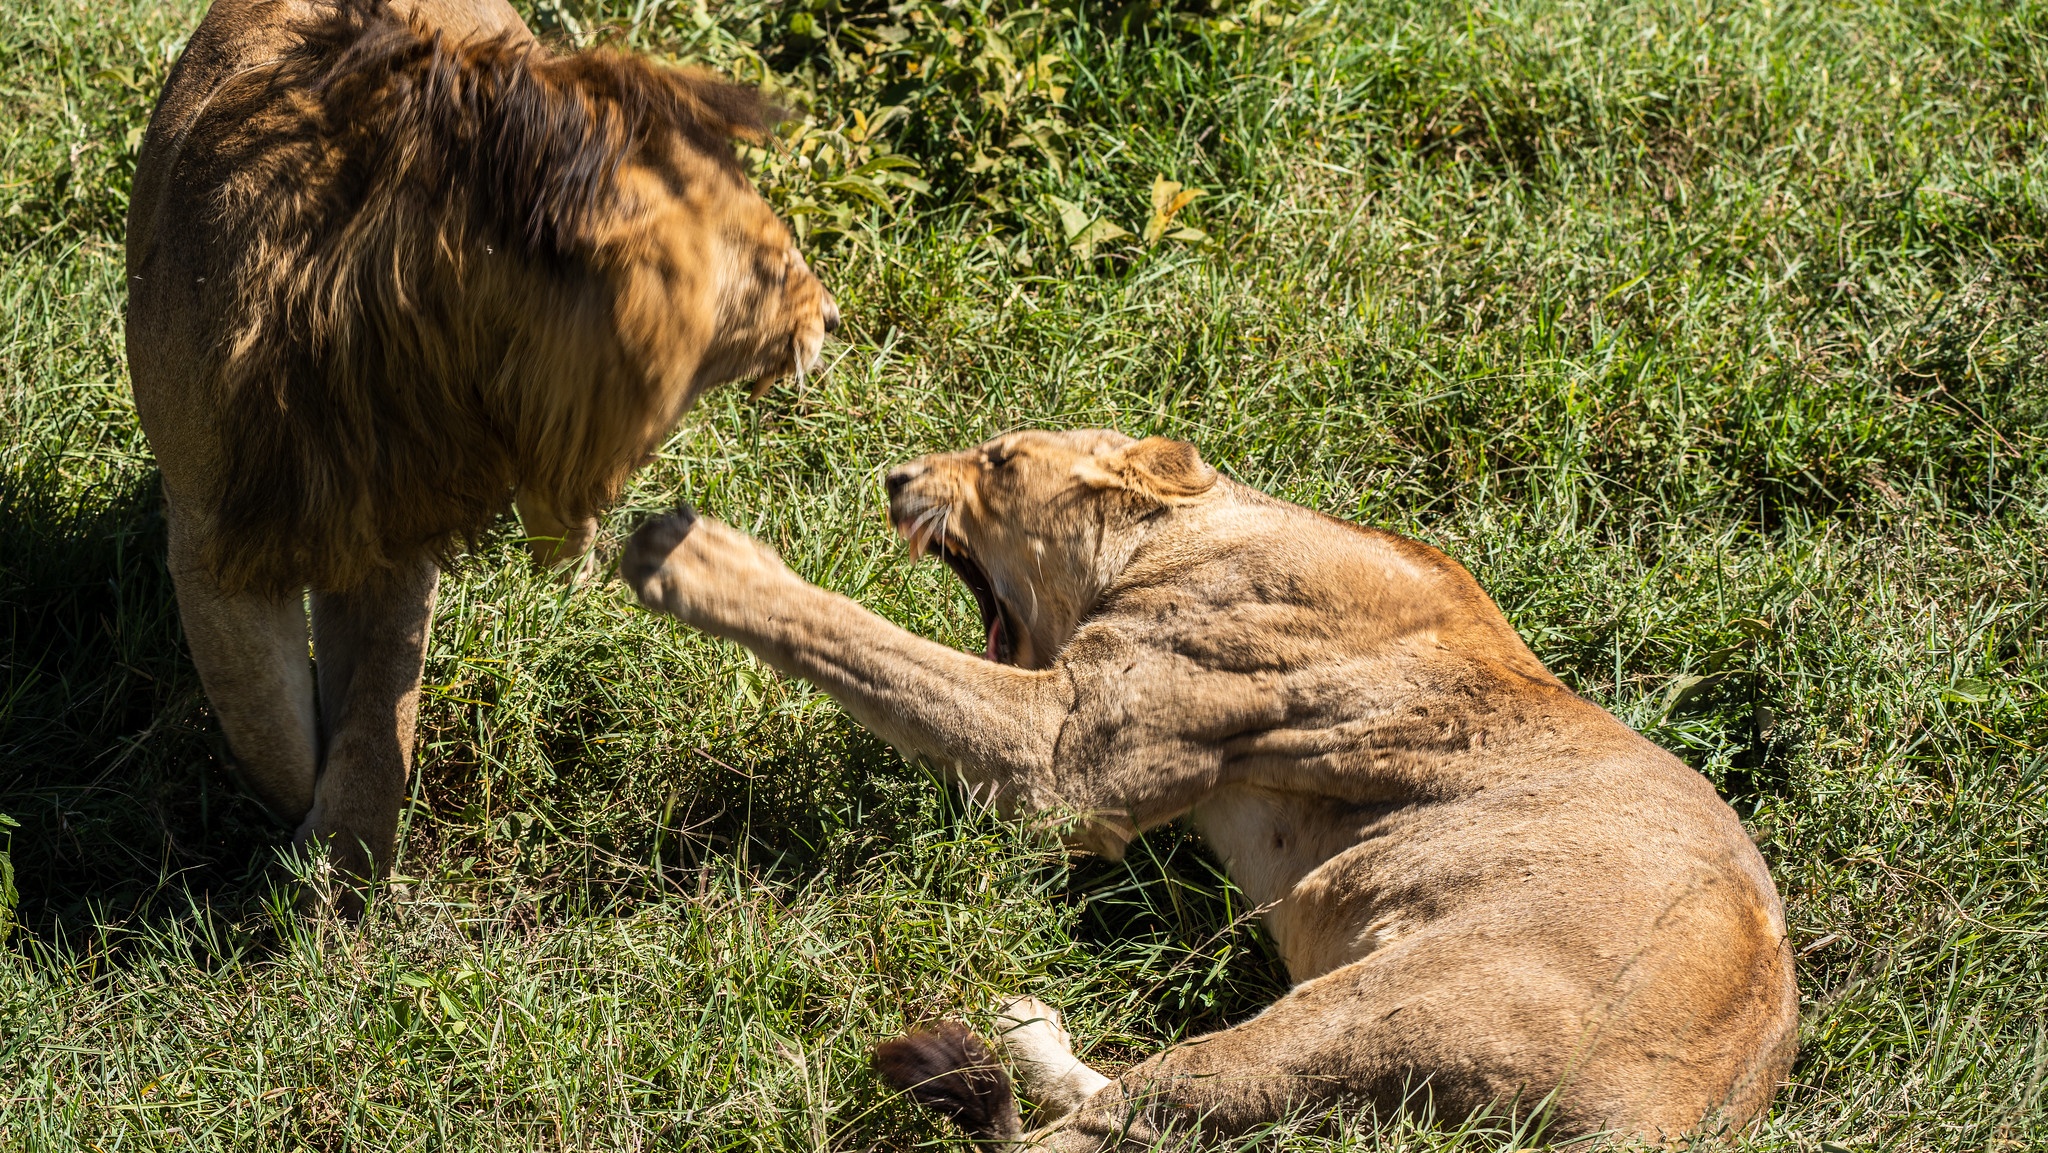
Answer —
(1709, 337)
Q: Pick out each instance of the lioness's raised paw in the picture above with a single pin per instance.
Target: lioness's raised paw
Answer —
(649, 547)
(696, 569)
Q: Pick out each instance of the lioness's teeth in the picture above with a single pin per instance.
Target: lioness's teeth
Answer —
(921, 532)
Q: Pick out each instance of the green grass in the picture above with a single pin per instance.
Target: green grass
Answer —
(1710, 336)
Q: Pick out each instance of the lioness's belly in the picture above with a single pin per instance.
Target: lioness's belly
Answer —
(1272, 842)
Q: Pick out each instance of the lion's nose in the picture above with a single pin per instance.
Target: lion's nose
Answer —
(831, 316)
(901, 475)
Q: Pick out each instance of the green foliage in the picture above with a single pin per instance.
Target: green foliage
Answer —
(9, 896)
(1709, 336)
(919, 104)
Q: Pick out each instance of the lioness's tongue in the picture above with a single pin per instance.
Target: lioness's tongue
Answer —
(995, 637)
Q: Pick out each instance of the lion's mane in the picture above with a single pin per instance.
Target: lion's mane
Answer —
(418, 282)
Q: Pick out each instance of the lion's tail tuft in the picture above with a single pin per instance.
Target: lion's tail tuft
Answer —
(949, 1069)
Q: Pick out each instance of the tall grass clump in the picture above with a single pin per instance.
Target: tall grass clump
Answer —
(1708, 335)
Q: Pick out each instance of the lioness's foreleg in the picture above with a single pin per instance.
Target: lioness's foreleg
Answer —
(370, 645)
(997, 724)
(1012, 734)
(251, 654)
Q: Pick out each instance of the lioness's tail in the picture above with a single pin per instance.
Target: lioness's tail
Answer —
(949, 1069)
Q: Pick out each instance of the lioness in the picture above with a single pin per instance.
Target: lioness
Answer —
(393, 267)
(1486, 889)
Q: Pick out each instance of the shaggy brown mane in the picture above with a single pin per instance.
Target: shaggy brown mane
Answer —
(422, 233)
(538, 137)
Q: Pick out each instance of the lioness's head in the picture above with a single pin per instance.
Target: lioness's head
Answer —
(1037, 524)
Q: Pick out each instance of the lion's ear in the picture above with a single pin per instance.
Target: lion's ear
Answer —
(1165, 470)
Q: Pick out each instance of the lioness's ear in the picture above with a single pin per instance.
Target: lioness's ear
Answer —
(1162, 469)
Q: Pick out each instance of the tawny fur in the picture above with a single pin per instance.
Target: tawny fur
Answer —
(1491, 894)
(437, 277)
(393, 265)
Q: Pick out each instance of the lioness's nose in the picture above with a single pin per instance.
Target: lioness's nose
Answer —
(831, 316)
(901, 475)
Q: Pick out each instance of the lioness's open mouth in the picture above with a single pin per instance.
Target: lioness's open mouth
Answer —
(994, 621)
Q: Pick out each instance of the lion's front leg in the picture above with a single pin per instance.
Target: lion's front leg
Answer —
(554, 542)
(994, 724)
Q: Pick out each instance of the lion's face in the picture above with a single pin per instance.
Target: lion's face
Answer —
(1037, 524)
(774, 313)
(722, 274)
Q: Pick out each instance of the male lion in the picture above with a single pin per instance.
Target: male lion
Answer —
(393, 266)
(1486, 889)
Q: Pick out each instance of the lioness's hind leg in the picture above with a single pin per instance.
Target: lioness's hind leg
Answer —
(1367, 1033)
(1042, 1054)
(370, 645)
(1447, 1024)
(251, 654)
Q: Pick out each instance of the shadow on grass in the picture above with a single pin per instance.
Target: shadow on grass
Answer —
(1163, 924)
(1194, 946)
(132, 824)
(107, 757)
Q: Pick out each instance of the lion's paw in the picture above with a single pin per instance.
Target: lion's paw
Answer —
(1032, 1027)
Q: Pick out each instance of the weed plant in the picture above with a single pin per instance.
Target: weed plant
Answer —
(1709, 335)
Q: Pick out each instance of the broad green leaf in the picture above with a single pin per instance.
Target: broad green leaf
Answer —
(862, 187)
(1968, 691)
(1072, 219)
(1098, 231)
(1685, 688)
